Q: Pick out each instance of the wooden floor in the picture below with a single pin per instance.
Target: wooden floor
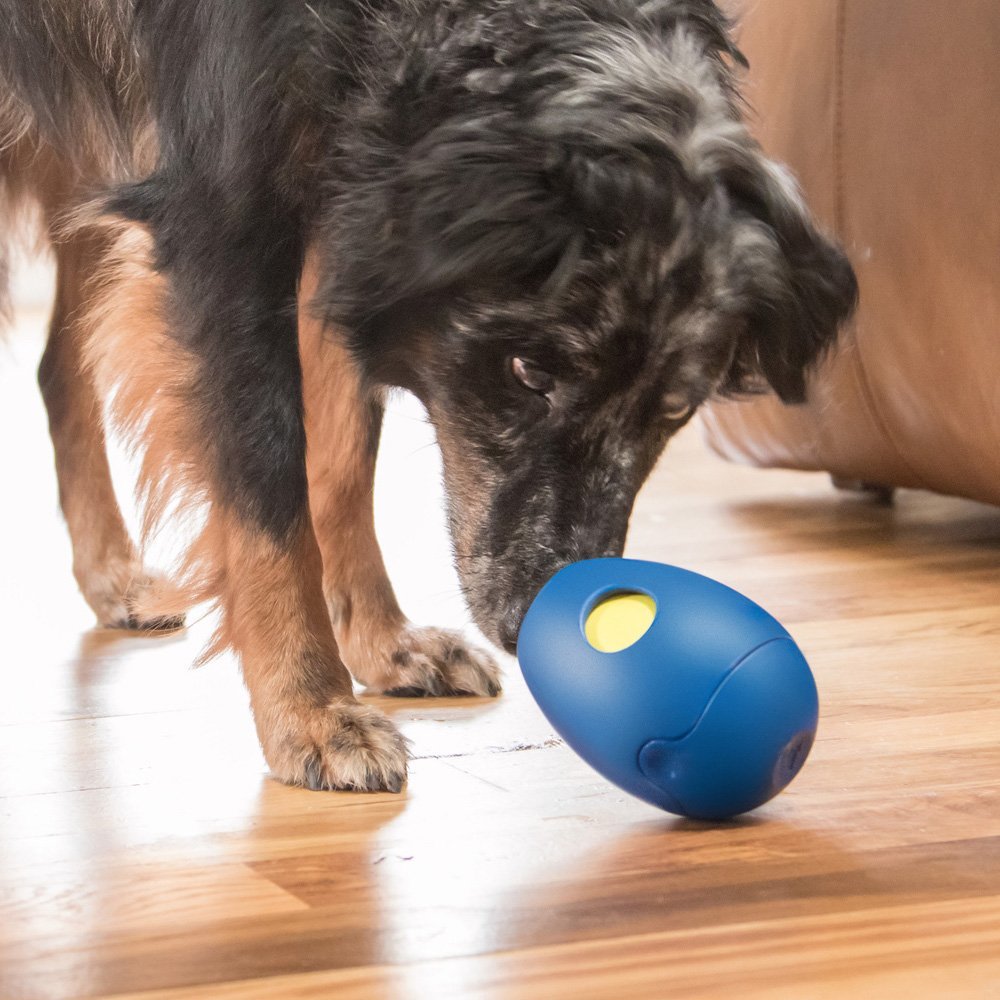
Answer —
(144, 851)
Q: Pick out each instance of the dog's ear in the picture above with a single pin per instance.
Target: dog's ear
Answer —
(796, 286)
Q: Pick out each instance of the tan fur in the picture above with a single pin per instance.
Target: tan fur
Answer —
(109, 343)
(33, 183)
(273, 612)
(37, 185)
(105, 562)
(383, 650)
(312, 730)
(145, 374)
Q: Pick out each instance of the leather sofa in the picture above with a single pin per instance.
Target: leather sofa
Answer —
(888, 112)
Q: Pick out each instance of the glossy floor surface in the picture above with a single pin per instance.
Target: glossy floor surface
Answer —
(144, 850)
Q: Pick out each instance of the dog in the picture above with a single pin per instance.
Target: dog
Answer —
(545, 218)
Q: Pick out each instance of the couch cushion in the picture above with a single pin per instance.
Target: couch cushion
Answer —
(887, 113)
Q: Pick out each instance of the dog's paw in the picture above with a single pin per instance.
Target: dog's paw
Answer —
(124, 596)
(345, 746)
(142, 598)
(422, 662)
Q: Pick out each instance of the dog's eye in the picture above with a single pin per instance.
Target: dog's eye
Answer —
(532, 377)
(676, 407)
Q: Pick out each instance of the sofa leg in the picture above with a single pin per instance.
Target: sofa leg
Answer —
(877, 492)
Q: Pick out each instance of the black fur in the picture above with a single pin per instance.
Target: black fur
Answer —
(566, 181)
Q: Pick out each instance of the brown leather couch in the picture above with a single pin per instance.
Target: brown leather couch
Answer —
(889, 113)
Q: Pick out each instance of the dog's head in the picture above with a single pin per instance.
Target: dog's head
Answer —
(557, 232)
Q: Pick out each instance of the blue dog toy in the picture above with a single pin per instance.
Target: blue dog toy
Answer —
(678, 689)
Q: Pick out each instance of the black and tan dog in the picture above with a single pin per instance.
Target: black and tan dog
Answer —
(544, 217)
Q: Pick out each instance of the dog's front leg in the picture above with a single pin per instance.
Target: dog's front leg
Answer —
(219, 414)
(381, 647)
(313, 731)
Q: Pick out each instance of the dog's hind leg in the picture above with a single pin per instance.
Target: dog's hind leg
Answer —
(106, 564)
(383, 650)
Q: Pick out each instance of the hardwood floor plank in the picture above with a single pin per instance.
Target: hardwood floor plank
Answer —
(905, 949)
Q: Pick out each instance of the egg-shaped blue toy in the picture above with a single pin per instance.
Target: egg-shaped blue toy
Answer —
(675, 687)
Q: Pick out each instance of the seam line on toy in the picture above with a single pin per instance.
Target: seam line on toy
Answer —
(722, 680)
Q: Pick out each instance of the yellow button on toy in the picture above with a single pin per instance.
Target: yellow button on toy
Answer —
(619, 621)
